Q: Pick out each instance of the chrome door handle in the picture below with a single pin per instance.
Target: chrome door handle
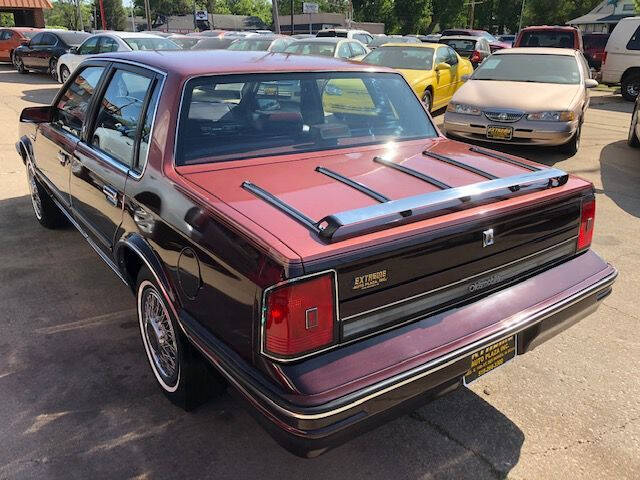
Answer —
(63, 158)
(110, 194)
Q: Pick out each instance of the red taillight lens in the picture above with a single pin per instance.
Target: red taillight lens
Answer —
(587, 219)
(300, 316)
(604, 58)
(475, 56)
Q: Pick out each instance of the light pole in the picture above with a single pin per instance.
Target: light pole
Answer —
(521, 15)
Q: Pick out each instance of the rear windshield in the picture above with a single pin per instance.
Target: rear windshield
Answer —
(595, 41)
(410, 58)
(149, 43)
(73, 38)
(242, 116)
(185, 42)
(251, 44)
(28, 33)
(547, 38)
(461, 45)
(212, 44)
(331, 33)
(312, 48)
(533, 68)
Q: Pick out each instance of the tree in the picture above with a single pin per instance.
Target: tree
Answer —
(67, 13)
(413, 15)
(446, 14)
(113, 13)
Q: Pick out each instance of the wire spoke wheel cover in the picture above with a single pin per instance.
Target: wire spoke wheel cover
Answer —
(158, 336)
(36, 202)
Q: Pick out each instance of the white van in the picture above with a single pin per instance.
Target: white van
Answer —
(621, 63)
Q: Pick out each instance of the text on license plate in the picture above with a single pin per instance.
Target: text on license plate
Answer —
(490, 357)
(500, 133)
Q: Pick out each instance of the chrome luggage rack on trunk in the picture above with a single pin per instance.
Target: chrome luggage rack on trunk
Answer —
(390, 213)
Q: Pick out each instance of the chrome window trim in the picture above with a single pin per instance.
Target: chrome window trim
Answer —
(263, 319)
(133, 174)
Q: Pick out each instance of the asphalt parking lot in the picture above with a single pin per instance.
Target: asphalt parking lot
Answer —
(78, 400)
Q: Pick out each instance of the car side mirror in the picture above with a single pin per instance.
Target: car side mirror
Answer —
(37, 114)
(590, 83)
(73, 50)
(443, 66)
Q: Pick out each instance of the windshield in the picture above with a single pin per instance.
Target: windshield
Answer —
(242, 116)
(466, 46)
(150, 43)
(312, 48)
(251, 44)
(535, 68)
(547, 38)
(410, 58)
(73, 38)
(185, 42)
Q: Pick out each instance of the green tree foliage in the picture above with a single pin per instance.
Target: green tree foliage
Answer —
(6, 20)
(114, 15)
(412, 15)
(556, 12)
(66, 13)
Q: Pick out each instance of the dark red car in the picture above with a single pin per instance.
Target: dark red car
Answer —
(298, 227)
(550, 36)
(594, 45)
(494, 43)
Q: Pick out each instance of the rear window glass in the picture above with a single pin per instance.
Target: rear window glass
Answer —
(251, 44)
(142, 43)
(461, 45)
(411, 58)
(241, 116)
(547, 38)
(331, 33)
(73, 38)
(312, 48)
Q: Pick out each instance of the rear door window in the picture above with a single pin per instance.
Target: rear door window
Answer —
(634, 42)
(71, 110)
(5, 35)
(344, 51)
(548, 38)
(90, 46)
(119, 116)
(107, 45)
(357, 49)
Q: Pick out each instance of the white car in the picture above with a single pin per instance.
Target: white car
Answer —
(107, 42)
(362, 36)
(621, 63)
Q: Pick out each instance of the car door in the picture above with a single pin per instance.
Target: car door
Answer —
(456, 80)
(56, 141)
(27, 51)
(43, 50)
(5, 45)
(107, 157)
(443, 78)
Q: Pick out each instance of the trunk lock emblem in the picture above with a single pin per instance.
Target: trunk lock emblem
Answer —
(487, 238)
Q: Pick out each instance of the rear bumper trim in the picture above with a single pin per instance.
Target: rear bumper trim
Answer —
(272, 406)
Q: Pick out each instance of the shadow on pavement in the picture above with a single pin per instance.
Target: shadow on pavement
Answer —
(79, 401)
(40, 96)
(8, 74)
(620, 174)
(613, 103)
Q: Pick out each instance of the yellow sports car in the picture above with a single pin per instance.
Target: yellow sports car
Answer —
(433, 70)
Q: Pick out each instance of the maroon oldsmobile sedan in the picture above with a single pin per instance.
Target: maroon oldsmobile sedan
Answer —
(298, 227)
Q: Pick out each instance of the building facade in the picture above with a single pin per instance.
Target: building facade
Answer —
(26, 13)
(605, 16)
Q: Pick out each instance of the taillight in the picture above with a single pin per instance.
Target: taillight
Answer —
(475, 56)
(604, 57)
(299, 317)
(587, 219)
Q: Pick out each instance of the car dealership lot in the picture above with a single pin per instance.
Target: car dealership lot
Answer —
(78, 401)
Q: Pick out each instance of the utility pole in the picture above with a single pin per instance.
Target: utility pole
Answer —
(276, 17)
(472, 10)
(292, 31)
(79, 13)
(147, 12)
(521, 15)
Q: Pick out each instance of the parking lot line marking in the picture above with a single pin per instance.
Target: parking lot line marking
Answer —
(88, 322)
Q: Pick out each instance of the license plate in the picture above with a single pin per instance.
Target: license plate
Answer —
(500, 133)
(490, 358)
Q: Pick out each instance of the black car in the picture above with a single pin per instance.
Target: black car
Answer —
(43, 50)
